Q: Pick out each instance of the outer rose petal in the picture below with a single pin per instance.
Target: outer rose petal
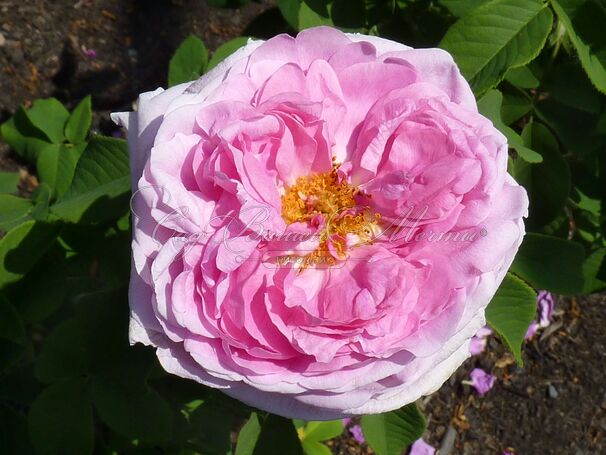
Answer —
(434, 65)
(142, 126)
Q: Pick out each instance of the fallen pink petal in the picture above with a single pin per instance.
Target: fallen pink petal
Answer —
(546, 305)
(532, 330)
(90, 53)
(482, 381)
(420, 447)
(358, 434)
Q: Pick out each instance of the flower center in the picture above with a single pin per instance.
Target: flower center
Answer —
(340, 211)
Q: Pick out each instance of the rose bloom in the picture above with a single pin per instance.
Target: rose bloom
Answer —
(319, 223)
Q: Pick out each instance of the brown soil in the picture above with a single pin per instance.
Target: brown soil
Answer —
(46, 47)
(555, 404)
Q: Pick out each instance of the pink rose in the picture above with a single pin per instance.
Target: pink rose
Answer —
(319, 223)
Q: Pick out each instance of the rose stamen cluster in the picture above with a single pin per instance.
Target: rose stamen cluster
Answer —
(327, 199)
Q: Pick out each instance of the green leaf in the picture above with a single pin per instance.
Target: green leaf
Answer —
(576, 129)
(189, 61)
(19, 387)
(133, 410)
(13, 433)
(313, 14)
(21, 248)
(12, 136)
(321, 431)
(247, 438)
(290, 11)
(225, 50)
(490, 106)
(547, 183)
(14, 210)
(43, 291)
(63, 356)
(584, 22)
(78, 124)
(462, 7)
(23, 137)
(391, 432)
(102, 312)
(41, 198)
(101, 174)
(11, 326)
(13, 340)
(349, 14)
(213, 426)
(313, 433)
(569, 85)
(11, 353)
(522, 77)
(511, 311)
(9, 182)
(49, 116)
(514, 107)
(550, 263)
(591, 269)
(56, 165)
(302, 14)
(121, 396)
(278, 436)
(61, 420)
(311, 447)
(497, 36)
(584, 202)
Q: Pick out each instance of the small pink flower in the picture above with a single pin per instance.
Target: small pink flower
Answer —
(90, 53)
(545, 307)
(481, 381)
(532, 330)
(420, 447)
(358, 434)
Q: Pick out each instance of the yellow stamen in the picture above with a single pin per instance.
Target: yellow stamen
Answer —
(325, 194)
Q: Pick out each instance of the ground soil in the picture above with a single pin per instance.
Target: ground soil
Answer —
(554, 404)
